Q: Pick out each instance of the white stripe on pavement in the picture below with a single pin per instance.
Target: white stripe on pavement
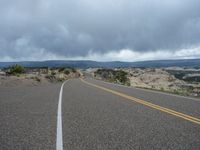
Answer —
(59, 138)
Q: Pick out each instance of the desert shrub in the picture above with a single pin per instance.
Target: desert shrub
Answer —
(121, 76)
(128, 83)
(73, 70)
(162, 88)
(16, 69)
(50, 77)
(53, 73)
(110, 75)
(105, 73)
(61, 69)
(60, 79)
(67, 72)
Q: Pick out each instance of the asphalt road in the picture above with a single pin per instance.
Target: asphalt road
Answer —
(97, 115)
(28, 117)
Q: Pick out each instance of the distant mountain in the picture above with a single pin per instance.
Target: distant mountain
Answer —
(113, 64)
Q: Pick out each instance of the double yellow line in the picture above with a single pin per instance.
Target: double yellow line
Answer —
(140, 101)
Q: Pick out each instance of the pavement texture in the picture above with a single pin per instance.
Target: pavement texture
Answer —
(95, 119)
(28, 117)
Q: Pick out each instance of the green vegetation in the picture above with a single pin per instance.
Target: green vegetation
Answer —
(67, 72)
(73, 70)
(53, 73)
(62, 69)
(117, 76)
(162, 89)
(121, 76)
(60, 79)
(15, 70)
(60, 74)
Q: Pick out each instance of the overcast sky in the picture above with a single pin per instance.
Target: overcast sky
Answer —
(102, 30)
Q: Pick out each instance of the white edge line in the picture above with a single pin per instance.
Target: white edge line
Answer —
(59, 136)
(149, 90)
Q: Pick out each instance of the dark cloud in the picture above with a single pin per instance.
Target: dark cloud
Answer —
(74, 28)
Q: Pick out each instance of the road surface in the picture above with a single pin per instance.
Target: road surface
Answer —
(96, 115)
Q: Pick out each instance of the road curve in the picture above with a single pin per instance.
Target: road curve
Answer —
(94, 118)
(97, 115)
(145, 103)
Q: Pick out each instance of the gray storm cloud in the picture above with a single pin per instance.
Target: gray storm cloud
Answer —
(69, 28)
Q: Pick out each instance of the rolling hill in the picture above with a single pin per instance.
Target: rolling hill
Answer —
(112, 64)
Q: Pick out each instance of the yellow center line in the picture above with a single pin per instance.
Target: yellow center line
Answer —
(140, 101)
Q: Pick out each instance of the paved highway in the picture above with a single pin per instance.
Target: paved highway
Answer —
(89, 114)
